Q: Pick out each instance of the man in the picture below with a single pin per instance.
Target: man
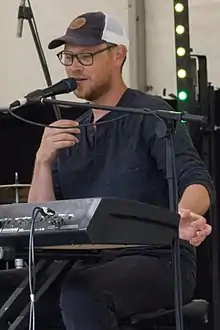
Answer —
(120, 156)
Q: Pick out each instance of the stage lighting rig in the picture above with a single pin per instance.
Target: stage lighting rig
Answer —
(185, 94)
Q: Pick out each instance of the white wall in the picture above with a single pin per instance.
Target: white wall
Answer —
(205, 34)
(160, 45)
(205, 39)
(20, 70)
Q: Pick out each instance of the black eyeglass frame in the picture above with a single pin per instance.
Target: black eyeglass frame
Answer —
(77, 56)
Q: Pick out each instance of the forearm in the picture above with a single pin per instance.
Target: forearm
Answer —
(196, 199)
(41, 189)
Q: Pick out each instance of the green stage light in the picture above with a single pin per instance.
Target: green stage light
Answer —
(182, 96)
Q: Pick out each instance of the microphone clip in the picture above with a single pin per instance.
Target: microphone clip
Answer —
(25, 12)
(31, 98)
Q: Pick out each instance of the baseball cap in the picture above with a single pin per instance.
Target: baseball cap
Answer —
(92, 29)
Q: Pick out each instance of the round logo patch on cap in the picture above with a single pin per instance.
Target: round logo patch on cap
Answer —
(77, 23)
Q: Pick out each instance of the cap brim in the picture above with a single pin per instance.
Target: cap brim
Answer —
(74, 40)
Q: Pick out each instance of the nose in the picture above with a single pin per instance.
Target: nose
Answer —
(76, 65)
(75, 69)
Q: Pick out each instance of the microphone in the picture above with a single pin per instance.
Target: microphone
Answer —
(20, 19)
(62, 87)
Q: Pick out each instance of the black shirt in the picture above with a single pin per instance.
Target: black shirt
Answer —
(125, 158)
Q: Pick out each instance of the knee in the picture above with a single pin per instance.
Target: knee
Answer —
(79, 293)
(74, 293)
(77, 300)
(74, 303)
(69, 295)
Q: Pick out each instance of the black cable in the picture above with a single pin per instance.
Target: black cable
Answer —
(30, 122)
(59, 127)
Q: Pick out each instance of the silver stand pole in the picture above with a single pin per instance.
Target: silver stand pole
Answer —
(19, 263)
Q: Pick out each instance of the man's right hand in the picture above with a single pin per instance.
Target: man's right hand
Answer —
(54, 139)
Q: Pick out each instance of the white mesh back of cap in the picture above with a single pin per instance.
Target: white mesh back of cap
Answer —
(113, 32)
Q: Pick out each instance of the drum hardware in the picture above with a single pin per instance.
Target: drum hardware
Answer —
(13, 194)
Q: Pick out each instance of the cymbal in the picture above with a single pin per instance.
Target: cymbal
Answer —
(10, 192)
(15, 185)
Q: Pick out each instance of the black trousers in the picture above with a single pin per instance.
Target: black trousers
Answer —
(96, 296)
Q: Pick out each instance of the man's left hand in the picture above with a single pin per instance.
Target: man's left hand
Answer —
(193, 227)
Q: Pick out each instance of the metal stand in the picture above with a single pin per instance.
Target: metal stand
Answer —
(14, 301)
(26, 12)
(19, 263)
(173, 203)
(47, 273)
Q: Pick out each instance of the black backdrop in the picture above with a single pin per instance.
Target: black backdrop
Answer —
(19, 141)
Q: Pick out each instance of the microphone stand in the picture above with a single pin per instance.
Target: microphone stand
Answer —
(26, 12)
(164, 114)
(171, 117)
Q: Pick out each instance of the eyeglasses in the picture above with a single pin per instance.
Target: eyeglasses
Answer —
(66, 58)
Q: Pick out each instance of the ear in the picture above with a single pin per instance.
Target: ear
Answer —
(121, 53)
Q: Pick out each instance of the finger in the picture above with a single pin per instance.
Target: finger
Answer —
(205, 232)
(201, 236)
(196, 241)
(63, 144)
(199, 223)
(196, 227)
(208, 230)
(56, 131)
(63, 137)
(184, 213)
(65, 123)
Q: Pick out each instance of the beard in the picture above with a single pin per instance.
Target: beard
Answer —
(93, 93)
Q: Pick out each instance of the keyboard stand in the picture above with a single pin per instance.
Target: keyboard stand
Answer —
(47, 272)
